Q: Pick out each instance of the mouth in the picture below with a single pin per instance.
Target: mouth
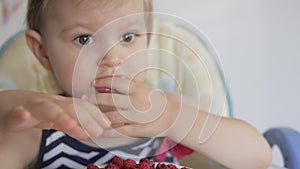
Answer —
(107, 89)
(104, 90)
(110, 76)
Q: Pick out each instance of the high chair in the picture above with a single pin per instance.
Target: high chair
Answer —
(193, 54)
(287, 140)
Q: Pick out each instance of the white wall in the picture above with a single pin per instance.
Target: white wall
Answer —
(259, 45)
(16, 20)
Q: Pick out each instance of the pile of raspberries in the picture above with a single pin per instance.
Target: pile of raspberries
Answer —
(118, 163)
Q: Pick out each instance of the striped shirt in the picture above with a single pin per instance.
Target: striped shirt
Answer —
(60, 151)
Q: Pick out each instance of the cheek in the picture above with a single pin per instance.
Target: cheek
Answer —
(136, 66)
(74, 78)
(64, 75)
(141, 66)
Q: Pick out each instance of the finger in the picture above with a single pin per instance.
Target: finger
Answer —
(78, 133)
(50, 113)
(23, 120)
(97, 115)
(63, 122)
(112, 133)
(120, 84)
(71, 128)
(141, 130)
(110, 100)
(105, 109)
(93, 124)
(129, 116)
(131, 130)
(20, 119)
(116, 117)
(124, 126)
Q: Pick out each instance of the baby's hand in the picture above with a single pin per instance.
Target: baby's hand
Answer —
(45, 111)
(141, 111)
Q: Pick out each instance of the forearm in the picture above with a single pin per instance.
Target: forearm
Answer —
(7, 101)
(12, 98)
(231, 142)
(20, 149)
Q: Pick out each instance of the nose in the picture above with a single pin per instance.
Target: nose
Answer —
(114, 57)
(111, 61)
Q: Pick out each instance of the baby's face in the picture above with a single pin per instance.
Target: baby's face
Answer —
(83, 43)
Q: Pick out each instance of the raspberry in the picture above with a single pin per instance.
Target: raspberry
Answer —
(143, 165)
(161, 166)
(171, 166)
(112, 166)
(128, 164)
(91, 166)
(148, 161)
(144, 160)
(117, 161)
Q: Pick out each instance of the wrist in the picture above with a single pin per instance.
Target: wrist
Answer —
(182, 119)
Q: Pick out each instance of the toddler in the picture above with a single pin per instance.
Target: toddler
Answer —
(86, 123)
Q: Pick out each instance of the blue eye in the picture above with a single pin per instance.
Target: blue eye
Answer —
(84, 40)
(128, 37)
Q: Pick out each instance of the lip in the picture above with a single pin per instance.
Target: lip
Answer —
(104, 90)
(107, 89)
(109, 76)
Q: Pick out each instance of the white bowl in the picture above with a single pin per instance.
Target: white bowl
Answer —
(178, 166)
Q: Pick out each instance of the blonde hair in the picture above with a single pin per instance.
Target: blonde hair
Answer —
(36, 9)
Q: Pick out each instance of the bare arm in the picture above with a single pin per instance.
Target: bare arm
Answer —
(230, 142)
(21, 110)
(18, 150)
(23, 115)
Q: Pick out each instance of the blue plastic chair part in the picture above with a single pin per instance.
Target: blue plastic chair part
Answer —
(8, 42)
(288, 141)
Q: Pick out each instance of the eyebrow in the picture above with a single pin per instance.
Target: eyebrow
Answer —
(94, 26)
(88, 26)
(129, 22)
